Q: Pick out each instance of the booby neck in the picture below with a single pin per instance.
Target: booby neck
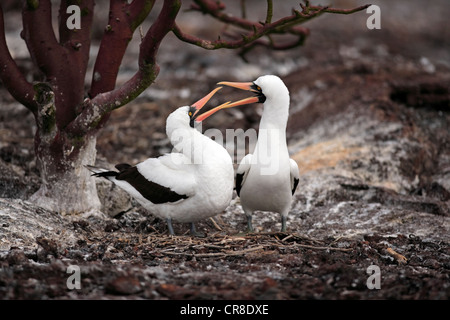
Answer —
(187, 140)
(276, 105)
(271, 134)
(273, 123)
(275, 114)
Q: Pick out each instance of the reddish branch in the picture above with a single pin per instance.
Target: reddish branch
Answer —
(64, 62)
(65, 119)
(77, 41)
(11, 76)
(40, 38)
(124, 18)
(256, 30)
(95, 109)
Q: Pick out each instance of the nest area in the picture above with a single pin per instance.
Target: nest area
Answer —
(220, 246)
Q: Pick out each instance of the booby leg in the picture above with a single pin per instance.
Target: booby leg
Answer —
(169, 225)
(249, 223)
(283, 223)
(195, 233)
(249, 215)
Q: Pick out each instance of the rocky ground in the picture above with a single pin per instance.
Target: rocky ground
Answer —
(368, 127)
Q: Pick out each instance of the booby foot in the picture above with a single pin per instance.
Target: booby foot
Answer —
(249, 227)
(242, 233)
(246, 232)
(196, 233)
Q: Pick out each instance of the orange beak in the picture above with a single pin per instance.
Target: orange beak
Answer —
(201, 103)
(248, 86)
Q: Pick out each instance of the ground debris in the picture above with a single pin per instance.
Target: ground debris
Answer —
(371, 139)
(221, 246)
(398, 257)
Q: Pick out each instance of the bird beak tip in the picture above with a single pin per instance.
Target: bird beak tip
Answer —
(201, 103)
(239, 85)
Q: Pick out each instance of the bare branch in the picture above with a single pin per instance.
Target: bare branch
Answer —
(272, 45)
(215, 9)
(77, 41)
(344, 11)
(124, 18)
(11, 76)
(65, 63)
(139, 10)
(256, 30)
(269, 11)
(243, 10)
(95, 109)
(39, 36)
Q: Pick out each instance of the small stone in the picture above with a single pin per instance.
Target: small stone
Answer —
(124, 285)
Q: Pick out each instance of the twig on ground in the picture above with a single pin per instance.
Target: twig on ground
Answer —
(401, 259)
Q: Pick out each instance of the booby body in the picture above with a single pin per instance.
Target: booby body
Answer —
(266, 179)
(192, 183)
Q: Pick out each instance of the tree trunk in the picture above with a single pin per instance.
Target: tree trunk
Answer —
(67, 186)
(67, 122)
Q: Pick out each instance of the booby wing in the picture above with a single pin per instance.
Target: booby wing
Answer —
(242, 172)
(168, 178)
(295, 175)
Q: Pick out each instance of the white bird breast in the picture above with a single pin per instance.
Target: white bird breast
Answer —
(270, 155)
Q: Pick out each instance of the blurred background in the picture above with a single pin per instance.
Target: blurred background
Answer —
(368, 126)
(414, 38)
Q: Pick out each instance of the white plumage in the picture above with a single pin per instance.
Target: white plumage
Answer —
(266, 179)
(192, 183)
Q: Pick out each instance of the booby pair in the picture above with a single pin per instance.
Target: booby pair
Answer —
(267, 179)
(192, 183)
(195, 181)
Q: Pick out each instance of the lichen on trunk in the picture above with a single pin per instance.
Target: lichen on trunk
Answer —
(67, 186)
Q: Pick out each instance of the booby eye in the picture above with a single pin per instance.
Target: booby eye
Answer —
(191, 111)
(258, 91)
(191, 114)
(257, 88)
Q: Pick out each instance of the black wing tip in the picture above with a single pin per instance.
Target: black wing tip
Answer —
(239, 178)
(105, 174)
(122, 166)
(97, 173)
(108, 173)
(152, 191)
(296, 181)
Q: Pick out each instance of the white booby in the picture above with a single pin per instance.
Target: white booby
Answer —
(266, 180)
(192, 183)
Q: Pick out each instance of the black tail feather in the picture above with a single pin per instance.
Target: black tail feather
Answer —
(122, 166)
(105, 174)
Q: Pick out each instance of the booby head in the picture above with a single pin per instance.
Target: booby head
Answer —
(267, 89)
(185, 115)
